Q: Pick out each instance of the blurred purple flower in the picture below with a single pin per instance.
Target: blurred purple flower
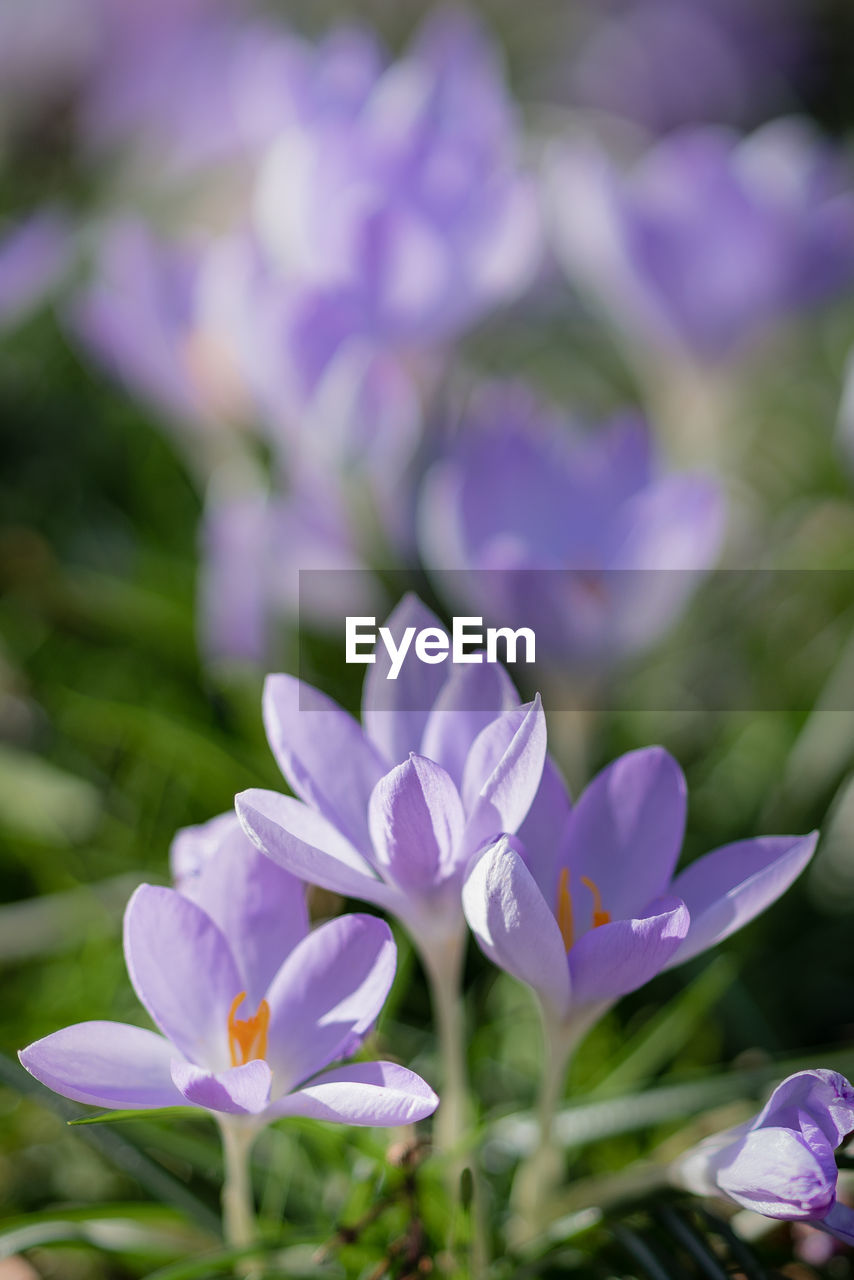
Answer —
(517, 492)
(182, 86)
(710, 240)
(391, 813)
(35, 255)
(666, 63)
(414, 211)
(583, 906)
(781, 1164)
(142, 318)
(253, 547)
(214, 1050)
(332, 398)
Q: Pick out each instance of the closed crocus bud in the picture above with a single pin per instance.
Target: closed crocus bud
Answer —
(781, 1164)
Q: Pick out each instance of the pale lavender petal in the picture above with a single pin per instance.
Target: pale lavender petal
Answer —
(329, 991)
(819, 1099)
(365, 1093)
(471, 698)
(183, 971)
(416, 820)
(258, 905)
(627, 830)
(545, 831)
(775, 1172)
(323, 753)
(839, 1221)
(238, 1091)
(395, 712)
(304, 843)
(515, 926)
(503, 772)
(728, 887)
(619, 957)
(106, 1064)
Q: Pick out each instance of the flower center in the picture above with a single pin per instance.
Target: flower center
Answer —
(247, 1038)
(565, 916)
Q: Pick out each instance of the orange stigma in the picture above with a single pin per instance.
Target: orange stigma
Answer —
(564, 910)
(599, 916)
(247, 1039)
(565, 921)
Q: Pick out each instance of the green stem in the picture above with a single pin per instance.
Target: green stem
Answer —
(444, 970)
(238, 1208)
(444, 966)
(541, 1173)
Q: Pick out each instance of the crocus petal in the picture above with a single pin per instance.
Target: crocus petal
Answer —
(107, 1064)
(238, 1091)
(367, 1093)
(470, 699)
(818, 1100)
(416, 820)
(619, 957)
(308, 846)
(627, 830)
(394, 712)
(839, 1221)
(773, 1171)
(545, 831)
(323, 753)
(515, 926)
(331, 988)
(728, 887)
(183, 972)
(258, 905)
(503, 772)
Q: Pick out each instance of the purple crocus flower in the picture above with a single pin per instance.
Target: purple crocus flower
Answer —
(35, 254)
(415, 208)
(218, 1049)
(584, 906)
(667, 63)
(781, 1163)
(710, 240)
(519, 491)
(392, 812)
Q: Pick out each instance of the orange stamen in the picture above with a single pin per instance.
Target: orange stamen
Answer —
(564, 910)
(247, 1038)
(599, 915)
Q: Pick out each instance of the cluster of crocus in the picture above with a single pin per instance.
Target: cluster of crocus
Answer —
(442, 808)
